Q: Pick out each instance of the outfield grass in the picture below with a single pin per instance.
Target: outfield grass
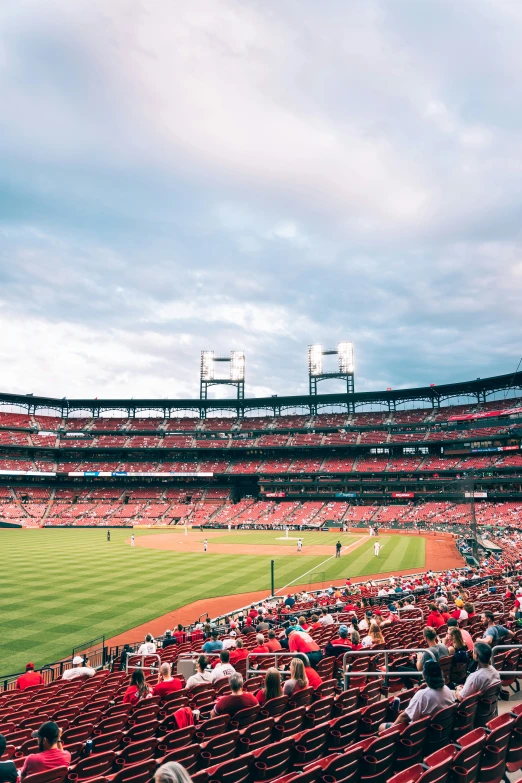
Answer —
(63, 587)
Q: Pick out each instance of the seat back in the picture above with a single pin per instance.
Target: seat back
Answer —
(257, 735)
(302, 698)
(487, 705)
(244, 717)
(56, 775)
(274, 707)
(273, 760)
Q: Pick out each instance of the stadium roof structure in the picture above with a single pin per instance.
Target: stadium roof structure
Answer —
(479, 389)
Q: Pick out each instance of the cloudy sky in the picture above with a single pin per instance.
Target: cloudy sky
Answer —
(232, 174)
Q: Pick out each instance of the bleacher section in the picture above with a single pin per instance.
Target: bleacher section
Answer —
(329, 731)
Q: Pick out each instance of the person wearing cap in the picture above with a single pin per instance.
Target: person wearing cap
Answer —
(459, 612)
(230, 642)
(341, 643)
(168, 640)
(51, 753)
(214, 644)
(79, 669)
(8, 770)
(426, 701)
(29, 679)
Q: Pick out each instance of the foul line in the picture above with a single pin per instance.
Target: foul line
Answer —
(344, 549)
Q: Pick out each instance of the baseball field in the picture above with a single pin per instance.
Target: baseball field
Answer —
(62, 587)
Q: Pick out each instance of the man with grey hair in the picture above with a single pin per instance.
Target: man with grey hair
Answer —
(238, 699)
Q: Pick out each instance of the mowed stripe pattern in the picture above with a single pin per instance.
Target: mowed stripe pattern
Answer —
(64, 587)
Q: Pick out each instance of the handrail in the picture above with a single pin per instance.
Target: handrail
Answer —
(276, 654)
(380, 673)
(140, 666)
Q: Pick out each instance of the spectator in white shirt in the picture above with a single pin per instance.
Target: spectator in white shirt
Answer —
(483, 678)
(148, 647)
(326, 618)
(202, 675)
(79, 669)
(230, 641)
(224, 667)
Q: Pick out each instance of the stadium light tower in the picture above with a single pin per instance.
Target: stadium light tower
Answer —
(345, 369)
(236, 376)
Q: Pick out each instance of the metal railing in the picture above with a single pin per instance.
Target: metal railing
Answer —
(502, 647)
(387, 672)
(128, 666)
(277, 654)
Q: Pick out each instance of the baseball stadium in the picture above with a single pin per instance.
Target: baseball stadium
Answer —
(127, 518)
(261, 395)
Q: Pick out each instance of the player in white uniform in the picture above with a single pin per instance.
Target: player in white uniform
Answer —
(132, 540)
(299, 544)
(376, 549)
(205, 545)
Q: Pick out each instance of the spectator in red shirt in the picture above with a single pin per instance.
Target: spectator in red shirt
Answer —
(303, 642)
(196, 635)
(273, 644)
(51, 755)
(434, 619)
(272, 688)
(137, 690)
(238, 700)
(29, 679)
(261, 646)
(314, 622)
(179, 634)
(304, 625)
(341, 643)
(239, 653)
(166, 682)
